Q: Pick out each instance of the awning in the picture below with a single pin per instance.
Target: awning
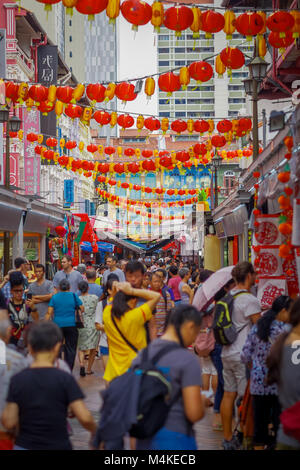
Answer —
(110, 237)
(36, 222)
(234, 222)
(10, 217)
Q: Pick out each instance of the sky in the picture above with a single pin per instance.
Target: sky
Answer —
(137, 57)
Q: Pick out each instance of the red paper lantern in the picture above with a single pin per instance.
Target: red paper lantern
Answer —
(249, 24)
(38, 149)
(91, 7)
(125, 92)
(218, 141)
(201, 126)
(124, 185)
(147, 153)
(95, 92)
(152, 124)
(71, 144)
(38, 93)
(165, 161)
(51, 142)
(148, 165)
(112, 182)
(125, 121)
(136, 187)
(73, 111)
(178, 18)
(133, 168)
(101, 179)
(61, 231)
(245, 124)
(129, 152)
(136, 12)
(64, 94)
(103, 167)
(179, 126)
(148, 191)
(92, 148)
(11, 91)
(32, 137)
(201, 71)
(280, 22)
(49, 155)
(109, 150)
(169, 82)
(285, 228)
(212, 22)
(224, 126)
(284, 176)
(119, 168)
(200, 149)
(281, 42)
(170, 192)
(232, 57)
(182, 156)
(102, 117)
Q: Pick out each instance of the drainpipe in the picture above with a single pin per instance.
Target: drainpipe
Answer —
(35, 44)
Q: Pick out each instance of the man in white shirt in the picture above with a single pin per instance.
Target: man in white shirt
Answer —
(246, 312)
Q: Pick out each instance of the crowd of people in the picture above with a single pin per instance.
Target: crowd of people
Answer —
(117, 311)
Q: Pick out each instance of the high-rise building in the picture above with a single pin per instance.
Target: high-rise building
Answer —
(216, 98)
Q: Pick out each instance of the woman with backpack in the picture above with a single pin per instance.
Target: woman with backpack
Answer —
(284, 370)
(109, 292)
(255, 351)
(183, 370)
(124, 325)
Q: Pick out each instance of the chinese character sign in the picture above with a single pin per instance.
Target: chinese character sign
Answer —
(32, 162)
(47, 65)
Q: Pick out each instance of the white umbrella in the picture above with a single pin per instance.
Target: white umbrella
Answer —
(211, 286)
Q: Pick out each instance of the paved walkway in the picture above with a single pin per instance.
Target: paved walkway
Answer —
(207, 439)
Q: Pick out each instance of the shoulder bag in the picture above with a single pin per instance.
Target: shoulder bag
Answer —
(78, 315)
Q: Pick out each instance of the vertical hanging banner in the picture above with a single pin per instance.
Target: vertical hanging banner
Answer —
(32, 162)
(68, 193)
(47, 75)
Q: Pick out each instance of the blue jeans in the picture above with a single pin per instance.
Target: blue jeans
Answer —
(165, 439)
(217, 362)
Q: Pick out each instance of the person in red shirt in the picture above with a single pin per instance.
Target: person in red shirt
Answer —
(174, 283)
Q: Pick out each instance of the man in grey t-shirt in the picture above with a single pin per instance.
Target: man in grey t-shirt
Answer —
(41, 290)
(112, 269)
(246, 311)
(68, 273)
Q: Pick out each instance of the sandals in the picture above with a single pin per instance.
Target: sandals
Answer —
(90, 373)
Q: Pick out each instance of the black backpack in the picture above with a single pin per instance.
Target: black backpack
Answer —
(224, 330)
(137, 402)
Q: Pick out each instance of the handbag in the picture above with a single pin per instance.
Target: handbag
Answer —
(78, 315)
(205, 341)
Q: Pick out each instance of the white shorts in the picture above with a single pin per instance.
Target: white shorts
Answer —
(208, 367)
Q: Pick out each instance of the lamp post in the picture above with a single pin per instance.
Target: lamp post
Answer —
(216, 163)
(13, 124)
(257, 69)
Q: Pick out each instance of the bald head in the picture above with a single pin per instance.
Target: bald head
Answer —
(5, 326)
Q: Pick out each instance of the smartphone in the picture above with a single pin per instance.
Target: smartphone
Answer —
(29, 296)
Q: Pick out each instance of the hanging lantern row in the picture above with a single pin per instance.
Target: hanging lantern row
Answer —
(158, 191)
(147, 204)
(180, 18)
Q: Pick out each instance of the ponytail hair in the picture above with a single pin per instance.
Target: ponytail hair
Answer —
(120, 304)
(182, 313)
(265, 322)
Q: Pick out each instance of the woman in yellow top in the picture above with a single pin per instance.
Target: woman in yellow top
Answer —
(124, 319)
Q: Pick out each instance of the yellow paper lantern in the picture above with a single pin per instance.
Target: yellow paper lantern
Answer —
(59, 108)
(190, 126)
(262, 47)
(78, 93)
(164, 124)
(100, 149)
(87, 116)
(81, 146)
(22, 92)
(137, 152)
(296, 28)
(113, 10)
(40, 138)
(263, 15)
(229, 27)
(184, 77)
(52, 93)
(69, 4)
(21, 134)
(110, 91)
(220, 67)
(140, 122)
(149, 86)
(211, 126)
(113, 119)
(62, 143)
(119, 151)
(197, 22)
(29, 103)
(157, 18)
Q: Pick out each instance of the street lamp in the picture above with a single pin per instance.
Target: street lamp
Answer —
(216, 163)
(13, 124)
(257, 69)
